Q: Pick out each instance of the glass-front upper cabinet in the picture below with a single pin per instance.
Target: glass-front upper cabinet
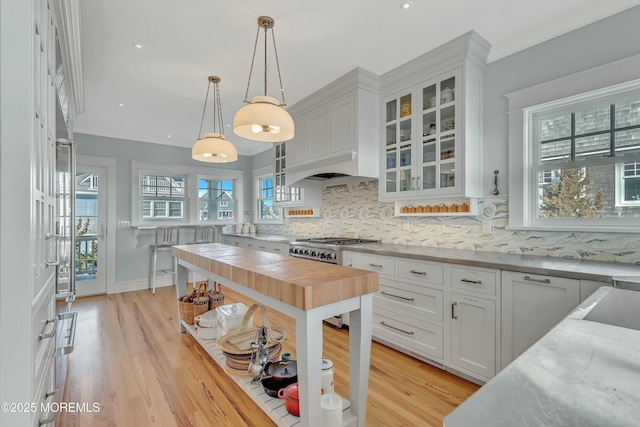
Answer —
(421, 147)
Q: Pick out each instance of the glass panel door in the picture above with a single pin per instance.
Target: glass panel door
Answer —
(90, 250)
(398, 159)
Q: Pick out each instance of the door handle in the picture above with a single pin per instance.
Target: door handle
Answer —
(453, 310)
(531, 279)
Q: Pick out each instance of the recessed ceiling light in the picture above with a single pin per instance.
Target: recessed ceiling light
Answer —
(138, 45)
(168, 136)
(406, 4)
(122, 105)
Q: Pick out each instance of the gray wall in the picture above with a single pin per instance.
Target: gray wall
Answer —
(131, 263)
(604, 41)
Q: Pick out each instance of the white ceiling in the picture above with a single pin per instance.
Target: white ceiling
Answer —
(163, 86)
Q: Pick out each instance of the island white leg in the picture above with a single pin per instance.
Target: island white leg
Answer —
(309, 365)
(181, 283)
(360, 329)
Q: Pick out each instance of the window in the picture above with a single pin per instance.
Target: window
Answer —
(580, 155)
(167, 194)
(216, 199)
(266, 211)
(163, 197)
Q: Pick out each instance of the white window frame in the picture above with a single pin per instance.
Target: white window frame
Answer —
(620, 185)
(258, 176)
(152, 208)
(608, 80)
(221, 203)
(191, 173)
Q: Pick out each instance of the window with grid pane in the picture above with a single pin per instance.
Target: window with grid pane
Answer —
(266, 210)
(585, 158)
(216, 199)
(163, 197)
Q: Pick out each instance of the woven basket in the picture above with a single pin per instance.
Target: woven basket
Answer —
(200, 305)
(216, 298)
(238, 341)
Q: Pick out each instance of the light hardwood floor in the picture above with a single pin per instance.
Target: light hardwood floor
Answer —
(130, 358)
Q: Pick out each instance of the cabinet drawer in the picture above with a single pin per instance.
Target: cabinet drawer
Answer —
(421, 272)
(424, 305)
(384, 266)
(276, 248)
(43, 323)
(421, 337)
(44, 392)
(481, 280)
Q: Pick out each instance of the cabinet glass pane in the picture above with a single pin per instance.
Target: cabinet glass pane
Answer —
(429, 151)
(448, 119)
(391, 110)
(405, 130)
(447, 90)
(277, 151)
(429, 123)
(278, 166)
(391, 182)
(282, 165)
(429, 97)
(391, 158)
(282, 150)
(405, 155)
(447, 175)
(447, 148)
(405, 180)
(405, 106)
(428, 177)
(391, 134)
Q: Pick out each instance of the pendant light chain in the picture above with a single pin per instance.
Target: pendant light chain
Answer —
(204, 110)
(219, 102)
(265, 61)
(275, 50)
(253, 57)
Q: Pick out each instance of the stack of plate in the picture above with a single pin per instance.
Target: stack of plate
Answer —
(238, 364)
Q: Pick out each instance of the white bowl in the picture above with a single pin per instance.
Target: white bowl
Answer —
(206, 333)
(208, 319)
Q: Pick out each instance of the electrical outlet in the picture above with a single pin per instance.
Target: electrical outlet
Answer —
(486, 226)
(124, 224)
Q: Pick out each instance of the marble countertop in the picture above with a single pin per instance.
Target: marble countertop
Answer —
(571, 268)
(581, 374)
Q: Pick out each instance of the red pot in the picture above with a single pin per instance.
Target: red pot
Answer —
(291, 396)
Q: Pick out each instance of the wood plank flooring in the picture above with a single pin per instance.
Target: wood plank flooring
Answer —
(130, 358)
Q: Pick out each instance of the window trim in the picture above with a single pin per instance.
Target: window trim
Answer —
(610, 78)
(191, 174)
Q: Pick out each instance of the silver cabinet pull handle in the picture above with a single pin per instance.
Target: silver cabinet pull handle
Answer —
(424, 273)
(261, 247)
(61, 351)
(397, 329)
(475, 282)
(376, 265)
(46, 421)
(531, 279)
(396, 296)
(453, 310)
(50, 393)
(276, 249)
(418, 183)
(53, 330)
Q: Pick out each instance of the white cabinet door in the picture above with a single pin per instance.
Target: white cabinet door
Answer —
(473, 335)
(343, 121)
(316, 145)
(587, 287)
(531, 306)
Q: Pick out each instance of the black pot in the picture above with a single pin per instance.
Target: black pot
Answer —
(278, 375)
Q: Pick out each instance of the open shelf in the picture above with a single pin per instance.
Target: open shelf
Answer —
(272, 406)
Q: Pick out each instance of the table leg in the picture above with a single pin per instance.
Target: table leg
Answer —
(309, 364)
(360, 330)
(181, 283)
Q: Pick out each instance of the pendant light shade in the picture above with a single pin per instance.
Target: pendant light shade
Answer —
(214, 148)
(263, 118)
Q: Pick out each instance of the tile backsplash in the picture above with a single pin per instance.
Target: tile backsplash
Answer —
(355, 209)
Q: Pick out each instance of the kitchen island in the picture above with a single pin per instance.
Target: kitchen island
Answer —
(308, 292)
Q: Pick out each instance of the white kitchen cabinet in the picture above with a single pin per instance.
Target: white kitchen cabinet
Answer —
(248, 242)
(336, 129)
(531, 306)
(587, 287)
(431, 115)
(473, 335)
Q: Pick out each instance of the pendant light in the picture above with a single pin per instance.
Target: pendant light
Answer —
(214, 148)
(264, 118)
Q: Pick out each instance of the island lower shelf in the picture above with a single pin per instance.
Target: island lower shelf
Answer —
(273, 407)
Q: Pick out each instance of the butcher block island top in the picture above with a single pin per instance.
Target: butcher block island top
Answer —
(298, 282)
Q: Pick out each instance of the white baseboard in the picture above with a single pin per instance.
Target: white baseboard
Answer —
(138, 285)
